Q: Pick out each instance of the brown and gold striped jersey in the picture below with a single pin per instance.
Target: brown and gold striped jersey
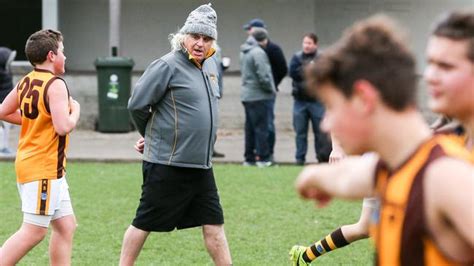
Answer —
(398, 227)
(41, 151)
(462, 140)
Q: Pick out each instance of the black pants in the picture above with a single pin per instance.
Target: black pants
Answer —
(257, 130)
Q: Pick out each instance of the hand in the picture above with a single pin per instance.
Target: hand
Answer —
(321, 199)
(307, 188)
(140, 145)
(336, 155)
(74, 105)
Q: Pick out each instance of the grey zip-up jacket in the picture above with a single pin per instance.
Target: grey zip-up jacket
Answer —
(174, 106)
(257, 79)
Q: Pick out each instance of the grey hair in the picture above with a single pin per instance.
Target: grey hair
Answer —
(177, 41)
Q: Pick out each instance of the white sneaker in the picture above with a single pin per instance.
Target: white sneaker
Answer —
(264, 164)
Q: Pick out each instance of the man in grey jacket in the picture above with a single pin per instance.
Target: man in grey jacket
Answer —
(258, 92)
(174, 106)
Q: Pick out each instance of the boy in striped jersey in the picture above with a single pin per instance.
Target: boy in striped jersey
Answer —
(450, 79)
(48, 115)
(450, 72)
(438, 157)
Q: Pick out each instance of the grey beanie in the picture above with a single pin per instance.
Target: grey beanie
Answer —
(201, 20)
(259, 34)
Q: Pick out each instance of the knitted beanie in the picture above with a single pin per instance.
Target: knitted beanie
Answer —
(202, 20)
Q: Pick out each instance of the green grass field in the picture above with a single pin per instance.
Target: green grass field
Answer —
(263, 218)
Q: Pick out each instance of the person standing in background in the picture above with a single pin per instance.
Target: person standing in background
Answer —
(306, 107)
(223, 63)
(258, 90)
(6, 85)
(279, 70)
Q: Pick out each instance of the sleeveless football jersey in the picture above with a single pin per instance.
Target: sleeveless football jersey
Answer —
(462, 140)
(459, 135)
(398, 227)
(41, 151)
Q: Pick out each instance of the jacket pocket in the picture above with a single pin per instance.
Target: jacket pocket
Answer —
(213, 81)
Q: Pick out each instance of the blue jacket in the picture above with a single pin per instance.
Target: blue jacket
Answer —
(297, 64)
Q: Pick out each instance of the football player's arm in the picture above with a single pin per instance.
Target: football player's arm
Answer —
(65, 111)
(9, 108)
(350, 178)
(449, 184)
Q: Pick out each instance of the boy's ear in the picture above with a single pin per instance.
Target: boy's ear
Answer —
(365, 96)
(50, 56)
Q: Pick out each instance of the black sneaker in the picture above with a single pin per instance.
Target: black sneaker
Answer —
(216, 154)
(246, 163)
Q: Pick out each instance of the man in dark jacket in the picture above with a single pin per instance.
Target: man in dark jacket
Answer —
(6, 85)
(306, 107)
(279, 71)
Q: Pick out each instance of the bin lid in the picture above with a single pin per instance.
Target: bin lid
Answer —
(116, 61)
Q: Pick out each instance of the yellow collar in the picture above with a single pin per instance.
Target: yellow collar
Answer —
(211, 52)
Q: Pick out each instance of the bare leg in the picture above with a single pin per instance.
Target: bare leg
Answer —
(60, 245)
(359, 230)
(27, 237)
(216, 244)
(133, 241)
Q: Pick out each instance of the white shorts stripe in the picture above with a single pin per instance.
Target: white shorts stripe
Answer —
(37, 193)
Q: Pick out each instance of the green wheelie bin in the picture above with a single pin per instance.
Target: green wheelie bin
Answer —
(114, 84)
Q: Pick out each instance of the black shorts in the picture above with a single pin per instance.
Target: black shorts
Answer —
(177, 197)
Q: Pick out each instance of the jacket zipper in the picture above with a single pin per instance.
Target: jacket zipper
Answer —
(206, 81)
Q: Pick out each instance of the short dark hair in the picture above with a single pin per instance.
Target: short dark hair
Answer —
(312, 36)
(373, 49)
(40, 43)
(260, 34)
(459, 26)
